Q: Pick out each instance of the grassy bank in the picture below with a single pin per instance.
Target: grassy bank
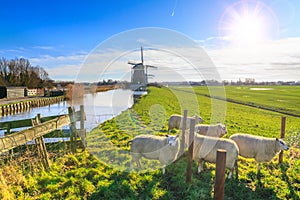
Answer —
(103, 175)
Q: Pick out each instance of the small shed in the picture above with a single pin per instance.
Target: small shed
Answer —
(15, 92)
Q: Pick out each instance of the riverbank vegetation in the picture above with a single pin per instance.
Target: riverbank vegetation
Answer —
(100, 172)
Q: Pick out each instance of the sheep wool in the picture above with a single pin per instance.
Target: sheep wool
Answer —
(205, 148)
(218, 130)
(162, 148)
(175, 121)
(262, 149)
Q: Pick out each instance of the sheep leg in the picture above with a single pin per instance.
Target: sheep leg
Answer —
(236, 170)
(138, 162)
(163, 169)
(200, 165)
(230, 173)
(258, 170)
(131, 165)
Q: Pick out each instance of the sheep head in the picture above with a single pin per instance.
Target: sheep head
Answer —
(172, 140)
(281, 144)
(223, 129)
(198, 119)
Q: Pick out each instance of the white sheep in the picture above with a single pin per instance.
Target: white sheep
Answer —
(206, 147)
(162, 148)
(218, 130)
(262, 149)
(175, 121)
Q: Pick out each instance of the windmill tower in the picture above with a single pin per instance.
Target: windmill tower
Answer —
(139, 74)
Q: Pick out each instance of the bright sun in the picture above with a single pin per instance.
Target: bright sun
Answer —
(247, 29)
(246, 23)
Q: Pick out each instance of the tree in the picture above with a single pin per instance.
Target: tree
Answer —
(19, 72)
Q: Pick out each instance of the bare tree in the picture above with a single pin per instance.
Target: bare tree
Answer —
(19, 72)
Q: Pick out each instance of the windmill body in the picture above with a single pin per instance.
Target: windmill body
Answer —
(139, 76)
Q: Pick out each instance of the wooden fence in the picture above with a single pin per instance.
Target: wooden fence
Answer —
(40, 127)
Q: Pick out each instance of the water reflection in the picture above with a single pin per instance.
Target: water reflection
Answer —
(98, 107)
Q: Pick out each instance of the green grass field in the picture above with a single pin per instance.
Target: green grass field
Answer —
(278, 98)
(83, 176)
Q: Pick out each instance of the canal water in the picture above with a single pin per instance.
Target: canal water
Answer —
(98, 107)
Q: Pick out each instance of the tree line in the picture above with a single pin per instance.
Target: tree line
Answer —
(19, 72)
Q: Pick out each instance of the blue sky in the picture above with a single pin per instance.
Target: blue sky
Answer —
(59, 35)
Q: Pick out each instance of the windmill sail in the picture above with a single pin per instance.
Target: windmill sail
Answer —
(142, 56)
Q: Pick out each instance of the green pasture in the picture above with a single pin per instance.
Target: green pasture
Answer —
(102, 171)
(277, 98)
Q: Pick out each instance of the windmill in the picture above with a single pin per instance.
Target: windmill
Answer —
(139, 74)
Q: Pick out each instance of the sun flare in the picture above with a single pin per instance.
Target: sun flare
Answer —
(247, 29)
(248, 23)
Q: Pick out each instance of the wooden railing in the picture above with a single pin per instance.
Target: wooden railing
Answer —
(13, 140)
(40, 127)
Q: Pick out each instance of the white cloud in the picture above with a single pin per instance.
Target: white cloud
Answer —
(44, 47)
(59, 67)
(276, 60)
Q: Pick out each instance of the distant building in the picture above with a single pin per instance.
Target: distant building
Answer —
(35, 92)
(32, 92)
(15, 92)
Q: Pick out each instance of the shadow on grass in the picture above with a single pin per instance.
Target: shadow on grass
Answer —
(172, 185)
(115, 187)
(155, 185)
(124, 185)
(239, 189)
(292, 189)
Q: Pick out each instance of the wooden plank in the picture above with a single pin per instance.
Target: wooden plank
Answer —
(24, 122)
(13, 140)
(27, 122)
(40, 145)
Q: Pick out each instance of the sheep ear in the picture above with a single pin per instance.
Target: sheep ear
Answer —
(276, 139)
(167, 135)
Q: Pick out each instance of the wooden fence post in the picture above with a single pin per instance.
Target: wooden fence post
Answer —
(82, 128)
(282, 132)
(190, 152)
(220, 175)
(183, 127)
(73, 132)
(40, 144)
(8, 131)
